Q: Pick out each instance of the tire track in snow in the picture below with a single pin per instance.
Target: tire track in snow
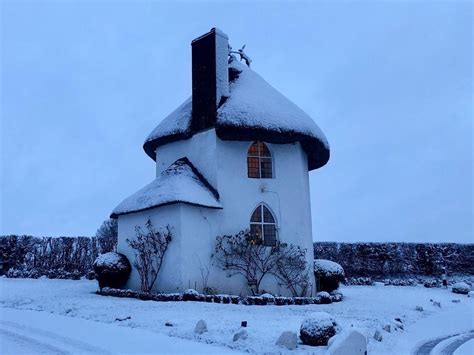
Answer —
(454, 345)
(35, 345)
(426, 347)
(81, 346)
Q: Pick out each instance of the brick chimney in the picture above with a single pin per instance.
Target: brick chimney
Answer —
(210, 77)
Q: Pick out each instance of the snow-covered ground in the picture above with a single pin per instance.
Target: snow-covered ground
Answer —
(54, 327)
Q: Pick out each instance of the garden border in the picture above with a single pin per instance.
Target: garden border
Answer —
(321, 298)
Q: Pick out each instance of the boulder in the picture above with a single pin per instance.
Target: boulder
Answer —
(201, 327)
(461, 288)
(378, 335)
(288, 340)
(350, 341)
(318, 329)
(241, 334)
(419, 308)
(470, 294)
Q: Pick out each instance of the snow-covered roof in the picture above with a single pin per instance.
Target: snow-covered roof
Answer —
(253, 111)
(180, 182)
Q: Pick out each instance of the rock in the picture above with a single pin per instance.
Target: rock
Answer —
(387, 328)
(378, 335)
(419, 308)
(318, 329)
(241, 334)
(461, 288)
(350, 341)
(288, 339)
(437, 304)
(169, 324)
(201, 327)
(398, 324)
(470, 294)
(457, 300)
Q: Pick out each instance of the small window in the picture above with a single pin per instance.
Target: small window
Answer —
(259, 161)
(263, 226)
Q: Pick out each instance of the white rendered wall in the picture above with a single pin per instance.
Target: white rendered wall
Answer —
(224, 164)
(160, 217)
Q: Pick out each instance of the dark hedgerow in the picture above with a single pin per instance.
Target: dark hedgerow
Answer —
(112, 270)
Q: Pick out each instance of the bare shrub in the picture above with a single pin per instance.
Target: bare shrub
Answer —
(150, 247)
(242, 254)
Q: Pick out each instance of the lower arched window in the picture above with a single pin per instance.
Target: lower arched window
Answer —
(263, 226)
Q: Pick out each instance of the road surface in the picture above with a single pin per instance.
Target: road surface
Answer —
(31, 332)
(446, 345)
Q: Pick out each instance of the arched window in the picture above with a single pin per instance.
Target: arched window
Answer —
(259, 161)
(263, 226)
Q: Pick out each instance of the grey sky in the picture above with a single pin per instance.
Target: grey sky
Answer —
(390, 84)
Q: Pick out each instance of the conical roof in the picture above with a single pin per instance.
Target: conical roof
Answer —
(253, 111)
(181, 182)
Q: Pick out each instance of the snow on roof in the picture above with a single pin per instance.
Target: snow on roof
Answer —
(254, 103)
(253, 111)
(180, 182)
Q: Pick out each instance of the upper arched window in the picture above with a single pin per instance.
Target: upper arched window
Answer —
(259, 161)
(263, 226)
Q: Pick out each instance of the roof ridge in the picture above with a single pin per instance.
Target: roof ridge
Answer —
(198, 174)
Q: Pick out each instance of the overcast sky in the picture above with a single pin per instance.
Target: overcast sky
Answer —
(390, 84)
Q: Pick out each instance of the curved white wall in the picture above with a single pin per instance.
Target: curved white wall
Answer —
(224, 164)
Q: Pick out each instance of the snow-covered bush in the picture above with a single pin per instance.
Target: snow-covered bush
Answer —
(191, 295)
(328, 274)
(461, 287)
(112, 270)
(324, 297)
(318, 329)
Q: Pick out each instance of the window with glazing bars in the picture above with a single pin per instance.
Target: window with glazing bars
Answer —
(259, 161)
(263, 226)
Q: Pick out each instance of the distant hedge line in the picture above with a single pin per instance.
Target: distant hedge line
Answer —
(63, 257)
(398, 259)
(72, 257)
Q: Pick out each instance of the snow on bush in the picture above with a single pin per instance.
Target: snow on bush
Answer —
(318, 329)
(328, 274)
(324, 297)
(461, 287)
(112, 270)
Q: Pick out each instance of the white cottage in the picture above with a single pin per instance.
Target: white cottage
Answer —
(236, 155)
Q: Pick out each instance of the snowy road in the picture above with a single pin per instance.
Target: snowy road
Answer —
(30, 332)
(447, 345)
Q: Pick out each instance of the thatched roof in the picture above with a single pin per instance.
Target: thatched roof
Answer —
(180, 183)
(253, 111)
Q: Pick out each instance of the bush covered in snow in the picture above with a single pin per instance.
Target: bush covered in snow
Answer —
(461, 287)
(112, 270)
(318, 329)
(328, 274)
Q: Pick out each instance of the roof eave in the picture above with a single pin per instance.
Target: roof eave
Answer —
(116, 215)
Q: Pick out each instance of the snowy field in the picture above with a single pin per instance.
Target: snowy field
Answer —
(62, 316)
